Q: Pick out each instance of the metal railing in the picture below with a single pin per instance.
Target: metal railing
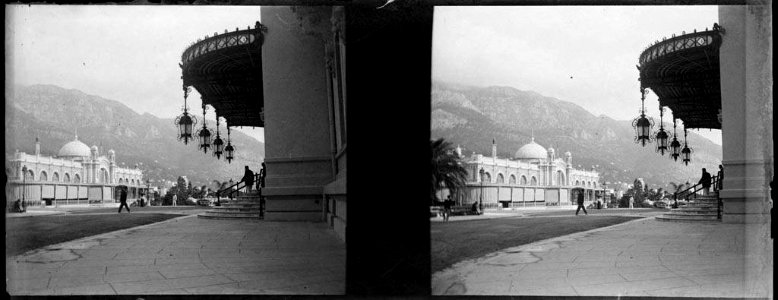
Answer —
(697, 189)
(222, 41)
(679, 43)
(235, 188)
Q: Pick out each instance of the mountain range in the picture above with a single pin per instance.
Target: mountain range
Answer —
(54, 114)
(473, 117)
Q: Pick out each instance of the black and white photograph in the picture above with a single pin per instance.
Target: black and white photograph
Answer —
(565, 149)
(602, 151)
(174, 150)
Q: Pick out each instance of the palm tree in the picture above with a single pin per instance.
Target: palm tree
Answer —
(447, 169)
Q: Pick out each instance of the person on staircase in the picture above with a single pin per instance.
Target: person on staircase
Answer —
(248, 178)
(720, 179)
(705, 181)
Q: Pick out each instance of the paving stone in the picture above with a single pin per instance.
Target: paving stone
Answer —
(219, 289)
(182, 273)
(130, 277)
(74, 280)
(99, 289)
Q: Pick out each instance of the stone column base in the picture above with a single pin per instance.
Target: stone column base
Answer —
(293, 204)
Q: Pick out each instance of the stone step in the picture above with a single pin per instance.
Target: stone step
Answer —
(244, 205)
(230, 214)
(691, 215)
(241, 202)
(672, 218)
(694, 211)
(231, 209)
(219, 217)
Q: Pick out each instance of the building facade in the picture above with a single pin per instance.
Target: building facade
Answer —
(78, 174)
(535, 176)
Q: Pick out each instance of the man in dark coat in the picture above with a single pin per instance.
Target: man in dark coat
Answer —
(720, 177)
(248, 178)
(447, 208)
(580, 203)
(705, 181)
(123, 200)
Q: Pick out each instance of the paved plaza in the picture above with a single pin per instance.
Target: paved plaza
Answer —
(188, 255)
(645, 257)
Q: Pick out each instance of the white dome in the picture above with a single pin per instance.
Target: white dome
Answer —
(74, 148)
(531, 151)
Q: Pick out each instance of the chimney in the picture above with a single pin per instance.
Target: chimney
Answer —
(37, 147)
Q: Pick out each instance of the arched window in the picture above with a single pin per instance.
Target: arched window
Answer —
(523, 180)
(534, 181)
(30, 175)
(487, 177)
(43, 176)
(560, 180)
(500, 178)
(104, 175)
(55, 177)
(121, 181)
(577, 183)
(512, 179)
(67, 177)
(594, 184)
(588, 184)
(132, 181)
(76, 178)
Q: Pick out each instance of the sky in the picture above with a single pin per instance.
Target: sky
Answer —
(124, 53)
(131, 53)
(541, 48)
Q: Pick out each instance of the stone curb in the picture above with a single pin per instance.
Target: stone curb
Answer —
(447, 272)
(65, 245)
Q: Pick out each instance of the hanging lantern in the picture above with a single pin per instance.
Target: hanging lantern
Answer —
(686, 152)
(661, 136)
(229, 151)
(205, 135)
(642, 124)
(675, 145)
(218, 144)
(185, 122)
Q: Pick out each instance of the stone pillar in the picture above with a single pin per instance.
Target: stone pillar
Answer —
(746, 93)
(746, 100)
(297, 137)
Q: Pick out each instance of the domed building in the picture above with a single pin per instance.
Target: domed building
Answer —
(535, 176)
(78, 174)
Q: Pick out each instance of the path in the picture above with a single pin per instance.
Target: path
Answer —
(645, 257)
(188, 255)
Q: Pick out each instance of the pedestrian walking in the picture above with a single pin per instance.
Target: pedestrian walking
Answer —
(248, 178)
(631, 202)
(720, 178)
(447, 208)
(581, 204)
(705, 181)
(175, 199)
(123, 200)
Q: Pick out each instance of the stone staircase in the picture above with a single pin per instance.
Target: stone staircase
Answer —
(702, 209)
(245, 206)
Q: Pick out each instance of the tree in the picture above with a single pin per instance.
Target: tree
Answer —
(447, 169)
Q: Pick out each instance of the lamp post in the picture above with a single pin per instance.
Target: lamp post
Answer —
(148, 186)
(481, 196)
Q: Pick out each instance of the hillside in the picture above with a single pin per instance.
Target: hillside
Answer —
(472, 116)
(54, 114)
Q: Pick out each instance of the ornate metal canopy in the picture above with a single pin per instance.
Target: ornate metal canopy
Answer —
(226, 69)
(683, 72)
